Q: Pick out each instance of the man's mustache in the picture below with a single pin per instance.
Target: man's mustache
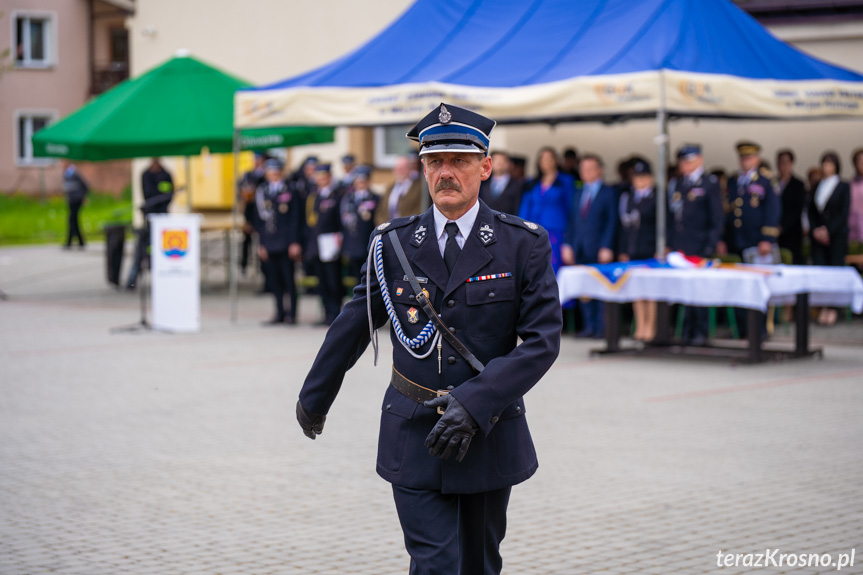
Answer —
(447, 185)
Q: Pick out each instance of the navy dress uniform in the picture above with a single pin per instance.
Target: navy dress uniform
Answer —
(696, 221)
(358, 219)
(324, 226)
(497, 289)
(278, 221)
(755, 206)
(638, 219)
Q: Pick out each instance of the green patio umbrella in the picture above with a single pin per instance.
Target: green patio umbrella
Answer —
(175, 109)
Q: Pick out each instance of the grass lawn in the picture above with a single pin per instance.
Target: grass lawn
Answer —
(31, 220)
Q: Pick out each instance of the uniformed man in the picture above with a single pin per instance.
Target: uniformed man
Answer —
(278, 221)
(324, 240)
(358, 210)
(489, 276)
(755, 206)
(695, 225)
(349, 164)
(248, 186)
(157, 186)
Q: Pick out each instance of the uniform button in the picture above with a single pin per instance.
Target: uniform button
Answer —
(738, 202)
(518, 409)
(494, 419)
(411, 297)
(491, 295)
(451, 329)
(389, 405)
(450, 303)
(503, 216)
(451, 360)
(738, 212)
(737, 223)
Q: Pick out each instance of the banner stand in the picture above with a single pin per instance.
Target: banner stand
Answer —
(175, 272)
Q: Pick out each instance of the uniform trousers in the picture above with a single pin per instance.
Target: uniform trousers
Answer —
(330, 287)
(280, 274)
(74, 226)
(443, 531)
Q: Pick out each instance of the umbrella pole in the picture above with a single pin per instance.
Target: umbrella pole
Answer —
(661, 170)
(189, 183)
(232, 250)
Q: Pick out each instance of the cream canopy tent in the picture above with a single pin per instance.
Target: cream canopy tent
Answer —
(554, 61)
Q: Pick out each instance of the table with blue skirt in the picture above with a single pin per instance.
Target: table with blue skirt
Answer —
(754, 288)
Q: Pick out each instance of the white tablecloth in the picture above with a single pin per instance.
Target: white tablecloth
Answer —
(753, 288)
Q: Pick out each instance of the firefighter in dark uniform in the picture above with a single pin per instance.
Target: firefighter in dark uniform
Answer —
(695, 225)
(278, 219)
(755, 206)
(248, 186)
(324, 240)
(358, 219)
(489, 277)
(755, 211)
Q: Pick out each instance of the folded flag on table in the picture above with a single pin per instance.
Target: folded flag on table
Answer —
(616, 273)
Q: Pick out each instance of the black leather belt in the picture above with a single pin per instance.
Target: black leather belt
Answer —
(415, 391)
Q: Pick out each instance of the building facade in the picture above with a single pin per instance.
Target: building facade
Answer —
(56, 54)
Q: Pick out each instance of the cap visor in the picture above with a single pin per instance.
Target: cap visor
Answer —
(445, 147)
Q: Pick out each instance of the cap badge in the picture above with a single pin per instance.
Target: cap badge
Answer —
(445, 116)
(413, 315)
(486, 234)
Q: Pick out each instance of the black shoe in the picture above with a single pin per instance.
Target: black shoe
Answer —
(290, 320)
(130, 287)
(275, 320)
(584, 334)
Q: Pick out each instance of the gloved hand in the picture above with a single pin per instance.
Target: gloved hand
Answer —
(454, 429)
(312, 423)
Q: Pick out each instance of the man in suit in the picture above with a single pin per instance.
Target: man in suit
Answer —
(792, 192)
(489, 276)
(695, 225)
(404, 197)
(591, 235)
(501, 192)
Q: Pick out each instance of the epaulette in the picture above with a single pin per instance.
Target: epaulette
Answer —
(519, 223)
(766, 173)
(394, 224)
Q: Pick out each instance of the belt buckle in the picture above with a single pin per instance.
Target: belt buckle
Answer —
(441, 393)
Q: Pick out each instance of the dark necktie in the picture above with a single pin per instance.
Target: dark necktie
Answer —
(451, 251)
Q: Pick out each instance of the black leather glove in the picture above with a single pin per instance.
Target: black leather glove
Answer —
(453, 431)
(312, 423)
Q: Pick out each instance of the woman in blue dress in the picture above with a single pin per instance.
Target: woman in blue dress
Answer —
(548, 201)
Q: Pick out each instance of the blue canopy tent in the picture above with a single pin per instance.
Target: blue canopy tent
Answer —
(558, 60)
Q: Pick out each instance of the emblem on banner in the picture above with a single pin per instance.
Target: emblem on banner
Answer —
(175, 243)
(413, 315)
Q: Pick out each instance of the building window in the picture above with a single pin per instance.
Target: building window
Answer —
(27, 124)
(34, 39)
(390, 143)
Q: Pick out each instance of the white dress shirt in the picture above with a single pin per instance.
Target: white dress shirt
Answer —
(464, 223)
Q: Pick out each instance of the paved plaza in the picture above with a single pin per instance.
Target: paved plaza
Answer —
(153, 453)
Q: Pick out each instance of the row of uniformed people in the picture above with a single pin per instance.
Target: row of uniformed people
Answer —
(312, 219)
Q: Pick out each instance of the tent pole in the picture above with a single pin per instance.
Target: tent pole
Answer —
(232, 244)
(661, 169)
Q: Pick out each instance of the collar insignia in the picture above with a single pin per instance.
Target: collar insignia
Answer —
(486, 234)
(420, 234)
